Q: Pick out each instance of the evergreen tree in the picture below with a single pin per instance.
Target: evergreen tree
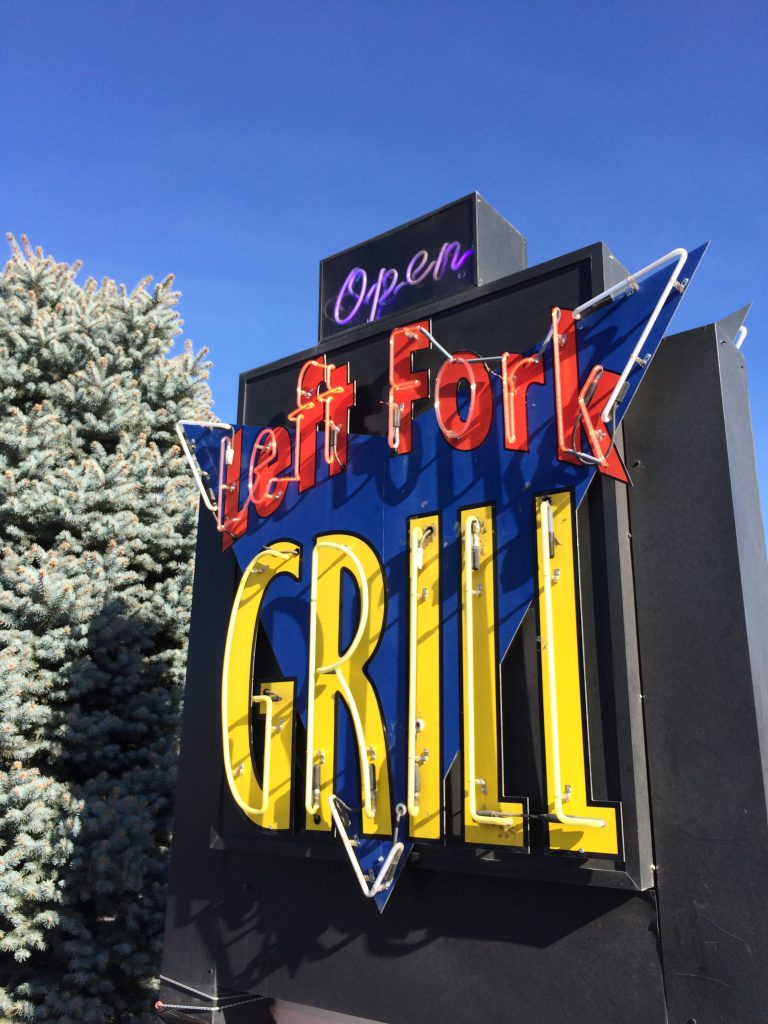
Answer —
(97, 524)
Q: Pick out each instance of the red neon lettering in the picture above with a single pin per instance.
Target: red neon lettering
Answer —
(338, 400)
(571, 407)
(469, 433)
(406, 385)
(270, 456)
(233, 519)
(518, 373)
(566, 373)
(597, 432)
(324, 396)
(308, 415)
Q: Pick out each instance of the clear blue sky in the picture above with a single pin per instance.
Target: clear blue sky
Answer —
(236, 144)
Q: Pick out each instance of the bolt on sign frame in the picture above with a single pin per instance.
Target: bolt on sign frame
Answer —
(415, 583)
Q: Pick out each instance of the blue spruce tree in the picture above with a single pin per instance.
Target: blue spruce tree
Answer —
(97, 524)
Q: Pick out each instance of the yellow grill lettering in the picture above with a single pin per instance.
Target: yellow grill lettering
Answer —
(581, 826)
(334, 673)
(424, 725)
(487, 819)
(266, 800)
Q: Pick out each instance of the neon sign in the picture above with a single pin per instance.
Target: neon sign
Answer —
(355, 297)
(392, 572)
(449, 251)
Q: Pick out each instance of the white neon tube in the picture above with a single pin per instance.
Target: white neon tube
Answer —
(481, 817)
(380, 884)
(192, 461)
(311, 805)
(562, 817)
(547, 340)
(285, 555)
(738, 341)
(224, 447)
(681, 256)
(362, 749)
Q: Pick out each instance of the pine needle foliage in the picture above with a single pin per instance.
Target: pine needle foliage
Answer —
(97, 524)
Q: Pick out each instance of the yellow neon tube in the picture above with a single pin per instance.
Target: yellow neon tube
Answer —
(286, 555)
(546, 533)
(266, 702)
(472, 528)
(312, 805)
(416, 551)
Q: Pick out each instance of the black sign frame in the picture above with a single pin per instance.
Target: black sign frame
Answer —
(442, 254)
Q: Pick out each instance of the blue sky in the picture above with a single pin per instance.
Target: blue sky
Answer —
(237, 144)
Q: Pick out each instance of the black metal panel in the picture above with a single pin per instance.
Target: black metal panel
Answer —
(612, 661)
(750, 538)
(449, 948)
(500, 251)
(491, 249)
(702, 607)
(191, 923)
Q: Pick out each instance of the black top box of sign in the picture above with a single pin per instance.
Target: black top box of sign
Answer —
(451, 250)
